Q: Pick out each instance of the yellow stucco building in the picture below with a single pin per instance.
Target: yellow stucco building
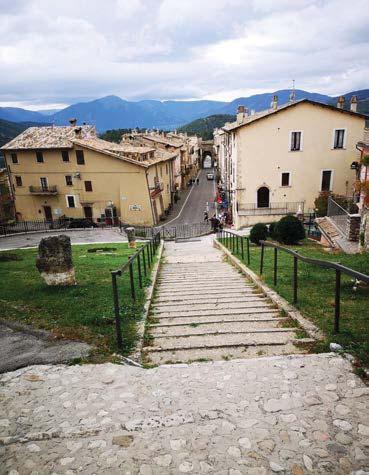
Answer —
(68, 171)
(277, 161)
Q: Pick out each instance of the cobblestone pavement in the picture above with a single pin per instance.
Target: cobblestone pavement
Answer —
(88, 236)
(292, 414)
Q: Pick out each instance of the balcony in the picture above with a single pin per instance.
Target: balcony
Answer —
(44, 190)
(252, 209)
(156, 189)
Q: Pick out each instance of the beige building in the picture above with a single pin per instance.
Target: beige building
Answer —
(277, 161)
(69, 172)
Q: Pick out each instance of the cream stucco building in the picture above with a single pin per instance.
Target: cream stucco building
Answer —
(69, 172)
(277, 161)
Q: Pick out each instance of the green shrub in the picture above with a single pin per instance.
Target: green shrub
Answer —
(272, 227)
(289, 230)
(259, 232)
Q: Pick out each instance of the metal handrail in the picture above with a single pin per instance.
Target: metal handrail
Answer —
(147, 253)
(339, 269)
(332, 201)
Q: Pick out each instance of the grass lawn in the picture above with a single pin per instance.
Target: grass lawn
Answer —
(83, 312)
(316, 290)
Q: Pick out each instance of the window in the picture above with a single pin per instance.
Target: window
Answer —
(80, 157)
(296, 141)
(43, 181)
(68, 180)
(326, 184)
(88, 185)
(65, 155)
(285, 179)
(339, 138)
(14, 158)
(39, 157)
(71, 201)
(18, 181)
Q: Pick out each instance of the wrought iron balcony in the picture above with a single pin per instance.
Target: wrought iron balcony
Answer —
(43, 190)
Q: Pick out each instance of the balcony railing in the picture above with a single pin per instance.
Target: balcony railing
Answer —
(284, 208)
(43, 190)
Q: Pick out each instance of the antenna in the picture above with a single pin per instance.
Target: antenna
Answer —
(293, 92)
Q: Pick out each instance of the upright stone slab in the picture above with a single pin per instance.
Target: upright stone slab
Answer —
(131, 235)
(54, 261)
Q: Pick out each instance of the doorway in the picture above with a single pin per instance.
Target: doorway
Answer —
(263, 197)
(48, 213)
(88, 212)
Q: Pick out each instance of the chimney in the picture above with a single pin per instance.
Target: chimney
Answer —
(73, 122)
(241, 113)
(340, 102)
(78, 132)
(353, 104)
(274, 103)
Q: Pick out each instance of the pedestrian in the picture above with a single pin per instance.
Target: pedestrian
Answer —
(198, 181)
(206, 216)
(214, 223)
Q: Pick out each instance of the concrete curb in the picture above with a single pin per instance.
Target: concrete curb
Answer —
(312, 330)
(135, 358)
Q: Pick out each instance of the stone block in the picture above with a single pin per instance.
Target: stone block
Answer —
(54, 261)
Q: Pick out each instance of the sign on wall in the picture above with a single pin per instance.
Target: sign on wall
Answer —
(135, 207)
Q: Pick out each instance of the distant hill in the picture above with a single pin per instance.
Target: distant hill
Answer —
(112, 112)
(204, 127)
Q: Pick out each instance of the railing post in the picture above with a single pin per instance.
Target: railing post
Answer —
(294, 279)
(248, 250)
(237, 249)
(337, 302)
(233, 246)
(275, 265)
(242, 254)
(144, 261)
(131, 279)
(116, 310)
(139, 270)
(262, 259)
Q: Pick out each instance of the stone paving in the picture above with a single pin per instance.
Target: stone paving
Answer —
(301, 414)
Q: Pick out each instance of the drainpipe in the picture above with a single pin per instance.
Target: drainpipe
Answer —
(148, 190)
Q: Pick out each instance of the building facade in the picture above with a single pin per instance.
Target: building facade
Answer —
(277, 161)
(68, 172)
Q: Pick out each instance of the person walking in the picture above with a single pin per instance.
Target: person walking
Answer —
(206, 216)
(198, 180)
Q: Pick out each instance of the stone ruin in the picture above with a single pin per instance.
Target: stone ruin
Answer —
(54, 261)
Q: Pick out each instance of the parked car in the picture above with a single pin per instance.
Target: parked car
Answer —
(82, 223)
(210, 176)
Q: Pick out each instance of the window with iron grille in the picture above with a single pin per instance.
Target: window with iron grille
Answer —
(39, 157)
(339, 138)
(80, 157)
(285, 179)
(14, 158)
(88, 185)
(295, 141)
(68, 180)
(65, 155)
(18, 181)
(43, 182)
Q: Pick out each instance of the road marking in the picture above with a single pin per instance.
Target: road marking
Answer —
(184, 204)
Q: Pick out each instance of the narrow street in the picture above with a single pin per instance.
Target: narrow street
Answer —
(192, 210)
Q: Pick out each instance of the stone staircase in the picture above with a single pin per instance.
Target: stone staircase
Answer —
(204, 309)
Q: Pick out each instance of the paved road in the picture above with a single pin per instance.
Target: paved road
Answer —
(193, 209)
(88, 236)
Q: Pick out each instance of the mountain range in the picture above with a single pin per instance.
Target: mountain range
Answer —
(112, 112)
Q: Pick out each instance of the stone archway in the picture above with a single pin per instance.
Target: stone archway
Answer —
(263, 197)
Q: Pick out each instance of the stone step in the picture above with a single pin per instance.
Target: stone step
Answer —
(204, 287)
(217, 292)
(223, 314)
(189, 331)
(253, 315)
(159, 331)
(206, 298)
(220, 340)
(199, 312)
(160, 308)
(202, 278)
(218, 354)
(203, 300)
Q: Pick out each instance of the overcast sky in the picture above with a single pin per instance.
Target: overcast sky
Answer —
(56, 52)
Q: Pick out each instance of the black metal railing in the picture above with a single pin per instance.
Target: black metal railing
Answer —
(338, 268)
(43, 189)
(52, 224)
(179, 231)
(282, 208)
(236, 243)
(140, 262)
